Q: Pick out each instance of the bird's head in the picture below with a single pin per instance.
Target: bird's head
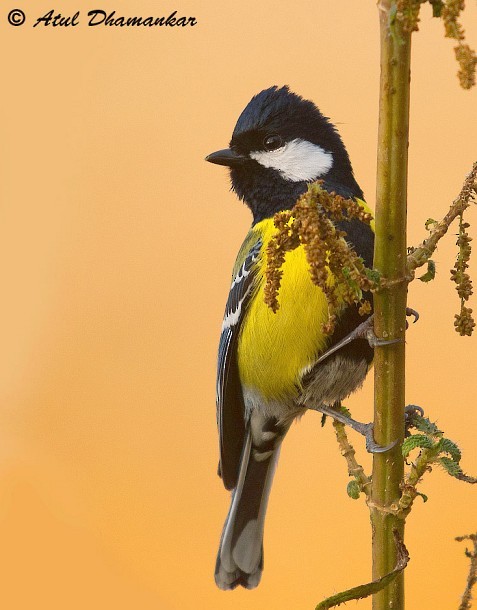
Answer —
(280, 143)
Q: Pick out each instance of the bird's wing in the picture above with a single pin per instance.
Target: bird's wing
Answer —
(230, 405)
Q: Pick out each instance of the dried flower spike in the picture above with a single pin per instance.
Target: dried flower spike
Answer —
(334, 266)
(464, 322)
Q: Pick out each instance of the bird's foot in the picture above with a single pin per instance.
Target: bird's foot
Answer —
(365, 429)
(366, 331)
(414, 313)
(363, 331)
(410, 413)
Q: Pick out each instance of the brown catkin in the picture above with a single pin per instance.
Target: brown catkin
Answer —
(334, 266)
(464, 322)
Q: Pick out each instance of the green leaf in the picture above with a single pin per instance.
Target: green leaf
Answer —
(373, 275)
(430, 222)
(416, 440)
(353, 284)
(423, 496)
(345, 411)
(423, 424)
(370, 588)
(466, 478)
(430, 273)
(353, 490)
(447, 446)
(450, 466)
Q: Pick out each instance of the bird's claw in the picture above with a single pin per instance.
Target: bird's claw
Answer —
(363, 331)
(411, 312)
(379, 342)
(366, 331)
(365, 429)
(410, 412)
(414, 313)
(371, 445)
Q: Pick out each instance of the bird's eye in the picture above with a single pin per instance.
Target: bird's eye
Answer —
(272, 142)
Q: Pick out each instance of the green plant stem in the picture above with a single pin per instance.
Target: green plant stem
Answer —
(466, 602)
(390, 302)
(347, 451)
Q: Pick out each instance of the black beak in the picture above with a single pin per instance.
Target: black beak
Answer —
(226, 157)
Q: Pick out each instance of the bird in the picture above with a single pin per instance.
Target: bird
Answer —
(270, 364)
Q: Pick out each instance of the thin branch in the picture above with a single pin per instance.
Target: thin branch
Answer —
(347, 451)
(409, 487)
(472, 578)
(420, 255)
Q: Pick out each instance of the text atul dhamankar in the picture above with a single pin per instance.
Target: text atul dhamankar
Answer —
(100, 17)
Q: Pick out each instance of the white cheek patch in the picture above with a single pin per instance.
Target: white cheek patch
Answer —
(299, 160)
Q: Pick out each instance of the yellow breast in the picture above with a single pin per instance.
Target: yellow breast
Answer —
(275, 348)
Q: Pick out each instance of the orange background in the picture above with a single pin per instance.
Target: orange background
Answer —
(117, 243)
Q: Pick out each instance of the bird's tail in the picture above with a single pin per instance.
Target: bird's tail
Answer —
(240, 556)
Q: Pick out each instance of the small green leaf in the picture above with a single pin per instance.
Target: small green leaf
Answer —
(447, 446)
(373, 275)
(430, 273)
(423, 424)
(345, 411)
(416, 440)
(351, 282)
(423, 496)
(430, 222)
(466, 478)
(450, 466)
(353, 490)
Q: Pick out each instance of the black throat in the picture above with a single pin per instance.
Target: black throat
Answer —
(266, 192)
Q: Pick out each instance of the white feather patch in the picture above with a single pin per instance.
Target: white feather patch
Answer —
(240, 275)
(299, 160)
(233, 316)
